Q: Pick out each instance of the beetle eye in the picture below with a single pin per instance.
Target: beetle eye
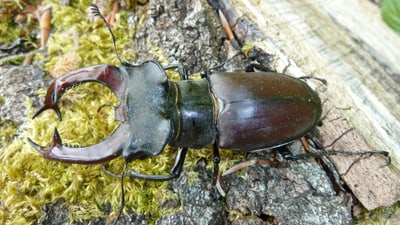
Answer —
(146, 147)
(133, 145)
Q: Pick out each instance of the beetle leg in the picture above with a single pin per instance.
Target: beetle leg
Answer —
(181, 70)
(174, 172)
(217, 180)
(216, 161)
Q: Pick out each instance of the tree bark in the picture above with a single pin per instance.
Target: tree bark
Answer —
(348, 44)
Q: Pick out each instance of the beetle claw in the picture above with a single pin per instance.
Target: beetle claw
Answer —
(105, 74)
(50, 101)
(56, 143)
(101, 152)
(46, 107)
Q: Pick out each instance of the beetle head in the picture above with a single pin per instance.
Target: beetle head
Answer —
(145, 128)
(147, 110)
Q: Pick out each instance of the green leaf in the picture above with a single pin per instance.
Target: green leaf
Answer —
(390, 10)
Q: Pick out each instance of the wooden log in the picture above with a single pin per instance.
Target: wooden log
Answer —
(348, 44)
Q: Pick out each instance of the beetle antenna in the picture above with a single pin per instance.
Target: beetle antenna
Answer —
(96, 12)
(121, 207)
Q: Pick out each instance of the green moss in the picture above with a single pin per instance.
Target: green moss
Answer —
(247, 47)
(29, 181)
(8, 130)
(10, 30)
(72, 32)
(379, 216)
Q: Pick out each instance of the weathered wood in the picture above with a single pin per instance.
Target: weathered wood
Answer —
(348, 44)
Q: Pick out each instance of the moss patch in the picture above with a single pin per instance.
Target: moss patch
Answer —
(90, 42)
(8, 132)
(382, 216)
(29, 181)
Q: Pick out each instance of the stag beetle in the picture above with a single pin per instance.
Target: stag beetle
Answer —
(232, 110)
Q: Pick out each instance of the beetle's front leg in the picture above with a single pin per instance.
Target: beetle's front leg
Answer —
(175, 171)
(181, 70)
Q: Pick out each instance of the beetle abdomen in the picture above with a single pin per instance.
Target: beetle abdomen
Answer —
(261, 110)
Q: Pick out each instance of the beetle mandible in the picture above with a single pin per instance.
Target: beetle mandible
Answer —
(233, 110)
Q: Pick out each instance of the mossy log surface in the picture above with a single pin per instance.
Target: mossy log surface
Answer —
(345, 43)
